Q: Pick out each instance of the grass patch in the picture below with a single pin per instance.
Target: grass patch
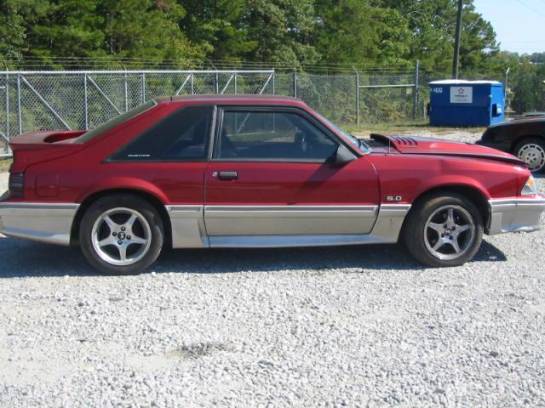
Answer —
(4, 165)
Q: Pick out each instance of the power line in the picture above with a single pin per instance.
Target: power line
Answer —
(531, 8)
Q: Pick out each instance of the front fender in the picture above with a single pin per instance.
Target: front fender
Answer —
(445, 181)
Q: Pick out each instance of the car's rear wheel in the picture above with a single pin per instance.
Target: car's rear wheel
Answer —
(121, 234)
(532, 152)
(443, 230)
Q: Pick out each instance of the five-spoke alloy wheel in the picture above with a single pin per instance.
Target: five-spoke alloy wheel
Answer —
(449, 232)
(443, 230)
(121, 234)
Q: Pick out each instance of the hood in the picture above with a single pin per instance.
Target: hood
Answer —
(441, 147)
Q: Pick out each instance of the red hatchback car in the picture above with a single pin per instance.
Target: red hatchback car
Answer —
(211, 171)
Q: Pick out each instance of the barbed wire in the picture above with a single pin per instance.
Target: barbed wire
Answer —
(189, 63)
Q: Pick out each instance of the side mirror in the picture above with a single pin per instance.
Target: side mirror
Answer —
(343, 155)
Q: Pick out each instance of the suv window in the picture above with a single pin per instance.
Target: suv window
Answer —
(271, 135)
(183, 135)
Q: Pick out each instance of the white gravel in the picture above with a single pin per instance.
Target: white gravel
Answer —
(357, 326)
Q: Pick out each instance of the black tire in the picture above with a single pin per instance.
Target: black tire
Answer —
(419, 239)
(535, 159)
(147, 253)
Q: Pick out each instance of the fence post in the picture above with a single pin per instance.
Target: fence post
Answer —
(7, 106)
(192, 84)
(357, 97)
(236, 86)
(217, 84)
(416, 96)
(143, 87)
(19, 115)
(295, 84)
(274, 83)
(126, 92)
(85, 101)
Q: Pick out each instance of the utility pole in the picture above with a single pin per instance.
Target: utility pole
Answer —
(456, 63)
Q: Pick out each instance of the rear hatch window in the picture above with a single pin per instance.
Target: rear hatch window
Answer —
(117, 120)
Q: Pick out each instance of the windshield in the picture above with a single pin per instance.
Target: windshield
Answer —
(359, 143)
(116, 120)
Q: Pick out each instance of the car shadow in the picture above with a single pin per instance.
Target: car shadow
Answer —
(20, 258)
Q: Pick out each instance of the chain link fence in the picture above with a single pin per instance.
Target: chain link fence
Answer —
(34, 100)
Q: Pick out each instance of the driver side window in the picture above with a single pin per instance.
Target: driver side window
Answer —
(262, 135)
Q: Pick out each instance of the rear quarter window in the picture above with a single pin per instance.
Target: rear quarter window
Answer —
(183, 135)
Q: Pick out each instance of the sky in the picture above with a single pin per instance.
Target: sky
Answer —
(519, 24)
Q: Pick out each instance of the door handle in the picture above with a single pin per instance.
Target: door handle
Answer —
(226, 175)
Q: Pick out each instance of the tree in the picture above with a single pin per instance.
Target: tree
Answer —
(282, 31)
(146, 30)
(479, 44)
(214, 26)
(432, 26)
(354, 32)
(12, 30)
(528, 87)
(63, 33)
(58, 31)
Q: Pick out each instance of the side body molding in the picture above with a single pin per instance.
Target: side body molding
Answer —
(189, 229)
(52, 223)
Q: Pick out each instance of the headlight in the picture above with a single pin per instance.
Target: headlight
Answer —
(530, 187)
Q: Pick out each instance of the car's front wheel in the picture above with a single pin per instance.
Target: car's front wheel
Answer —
(532, 152)
(121, 234)
(443, 230)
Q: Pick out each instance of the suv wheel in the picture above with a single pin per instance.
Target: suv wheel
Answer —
(444, 230)
(121, 234)
(532, 152)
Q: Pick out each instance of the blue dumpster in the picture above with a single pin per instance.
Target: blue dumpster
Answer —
(466, 103)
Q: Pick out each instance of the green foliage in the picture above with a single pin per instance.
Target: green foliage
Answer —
(12, 32)
(354, 32)
(286, 33)
(528, 87)
(432, 26)
(214, 27)
(304, 35)
(54, 33)
(281, 30)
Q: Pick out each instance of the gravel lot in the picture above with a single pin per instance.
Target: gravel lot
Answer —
(357, 326)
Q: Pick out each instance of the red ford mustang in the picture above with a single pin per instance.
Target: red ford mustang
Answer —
(211, 171)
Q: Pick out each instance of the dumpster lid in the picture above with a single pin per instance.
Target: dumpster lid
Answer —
(463, 82)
